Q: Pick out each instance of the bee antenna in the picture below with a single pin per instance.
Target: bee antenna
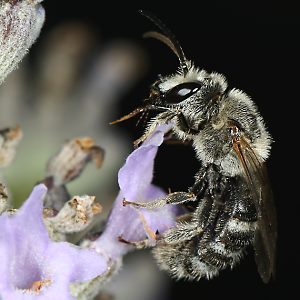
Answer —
(167, 38)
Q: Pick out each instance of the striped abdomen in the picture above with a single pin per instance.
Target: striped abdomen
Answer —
(228, 223)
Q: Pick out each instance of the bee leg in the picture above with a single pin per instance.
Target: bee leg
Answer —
(147, 242)
(182, 232)
(137, 244)
(172, 198)
(162, 119)
(151, 129)
(142, 244)
(187, 217)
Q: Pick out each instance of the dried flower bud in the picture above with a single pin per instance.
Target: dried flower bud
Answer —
(3, 198)
(20, 25)
(76, 215)
(71, 160)
(9, 139)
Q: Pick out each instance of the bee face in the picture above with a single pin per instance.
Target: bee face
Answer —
(194, 96)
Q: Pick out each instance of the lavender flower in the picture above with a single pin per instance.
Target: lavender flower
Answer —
(34, 267)
(132, 225)
(72, 73)
(135, 179)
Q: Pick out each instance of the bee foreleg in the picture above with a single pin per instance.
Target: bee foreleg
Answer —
(162, 118)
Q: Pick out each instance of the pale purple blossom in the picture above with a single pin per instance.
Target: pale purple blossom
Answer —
(34, 267)
(135, 179)
(127, 222)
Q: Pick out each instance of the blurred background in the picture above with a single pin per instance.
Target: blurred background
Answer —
(91, 65)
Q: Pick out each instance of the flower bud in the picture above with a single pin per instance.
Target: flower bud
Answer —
(76, 215)
(72, 158)
(20, 25)
(9, 139)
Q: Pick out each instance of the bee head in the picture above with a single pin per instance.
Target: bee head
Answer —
(195, 95)
(190, 92)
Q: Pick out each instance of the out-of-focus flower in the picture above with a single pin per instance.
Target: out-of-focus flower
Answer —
(133, 225)
(20, 25)
(34, 267)
(71, 87)
(9, 139)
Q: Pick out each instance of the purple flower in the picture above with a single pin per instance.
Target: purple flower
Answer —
(34, 267)
(133, 224)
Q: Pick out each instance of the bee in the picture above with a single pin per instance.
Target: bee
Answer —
(231, 197)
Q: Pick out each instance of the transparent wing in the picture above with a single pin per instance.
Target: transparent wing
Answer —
(266, 233)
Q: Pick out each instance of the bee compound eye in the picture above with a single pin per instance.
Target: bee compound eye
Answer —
(182, 91)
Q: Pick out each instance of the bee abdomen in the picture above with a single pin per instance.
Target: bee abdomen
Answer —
(245, 210)
(214, 254)
(238, 234)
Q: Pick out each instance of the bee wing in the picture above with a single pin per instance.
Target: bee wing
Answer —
(266, 234)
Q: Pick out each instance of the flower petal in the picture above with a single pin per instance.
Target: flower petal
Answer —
(159, 219)
(28, 256)
(137, 173)
(135, 183)
(69, 263)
